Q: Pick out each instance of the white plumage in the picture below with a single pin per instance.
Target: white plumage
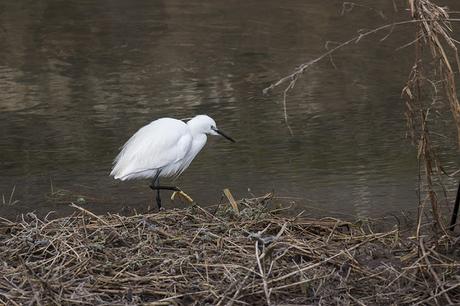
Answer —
(167, 145)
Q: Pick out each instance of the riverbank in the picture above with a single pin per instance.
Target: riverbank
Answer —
(220, 256)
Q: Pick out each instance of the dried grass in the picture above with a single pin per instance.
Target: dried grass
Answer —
(436, 64)
(219, 257)
(437, 67)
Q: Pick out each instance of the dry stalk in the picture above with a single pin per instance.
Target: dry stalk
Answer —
(434, 33)
(192, 256)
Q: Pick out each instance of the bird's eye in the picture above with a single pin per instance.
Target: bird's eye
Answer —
(213, 127)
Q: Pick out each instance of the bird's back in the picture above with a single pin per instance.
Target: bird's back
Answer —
(161, 143)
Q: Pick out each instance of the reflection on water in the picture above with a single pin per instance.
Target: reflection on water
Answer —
(77, 78)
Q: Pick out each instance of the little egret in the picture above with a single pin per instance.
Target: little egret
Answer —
(163, 148)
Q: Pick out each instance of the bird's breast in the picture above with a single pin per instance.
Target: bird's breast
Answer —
(198, 143)
(176, 169)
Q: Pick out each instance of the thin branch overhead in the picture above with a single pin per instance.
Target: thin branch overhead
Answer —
(290, 80)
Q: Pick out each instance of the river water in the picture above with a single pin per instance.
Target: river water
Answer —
(77, 78)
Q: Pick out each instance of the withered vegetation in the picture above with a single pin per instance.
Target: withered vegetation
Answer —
(220, 256)
(432, 83)
(436, 63)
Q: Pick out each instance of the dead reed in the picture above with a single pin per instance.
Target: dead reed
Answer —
(431, 79)
(220, 256)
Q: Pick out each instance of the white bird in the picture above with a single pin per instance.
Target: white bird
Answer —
(163, 148)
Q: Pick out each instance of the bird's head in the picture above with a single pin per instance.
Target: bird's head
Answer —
(206, 125)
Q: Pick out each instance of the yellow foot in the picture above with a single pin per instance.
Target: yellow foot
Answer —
(182, 195)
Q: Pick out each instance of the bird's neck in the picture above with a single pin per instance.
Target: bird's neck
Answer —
(194, 128)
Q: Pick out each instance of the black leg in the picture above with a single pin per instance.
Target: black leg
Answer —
(155, 185)
(453, 220)
(158, 197)
(156, 180)
(172, 188)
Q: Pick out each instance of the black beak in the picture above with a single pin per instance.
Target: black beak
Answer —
(223, 135)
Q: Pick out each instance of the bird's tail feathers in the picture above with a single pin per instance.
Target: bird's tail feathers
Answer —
(144, 173)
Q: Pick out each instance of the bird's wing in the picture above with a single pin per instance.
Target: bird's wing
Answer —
(156, 145)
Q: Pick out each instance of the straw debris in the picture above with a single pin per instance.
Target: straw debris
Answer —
(215, 256)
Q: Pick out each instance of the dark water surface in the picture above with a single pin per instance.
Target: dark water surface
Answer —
(77, 78)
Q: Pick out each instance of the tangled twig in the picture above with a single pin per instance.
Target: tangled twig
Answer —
(192, 256)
